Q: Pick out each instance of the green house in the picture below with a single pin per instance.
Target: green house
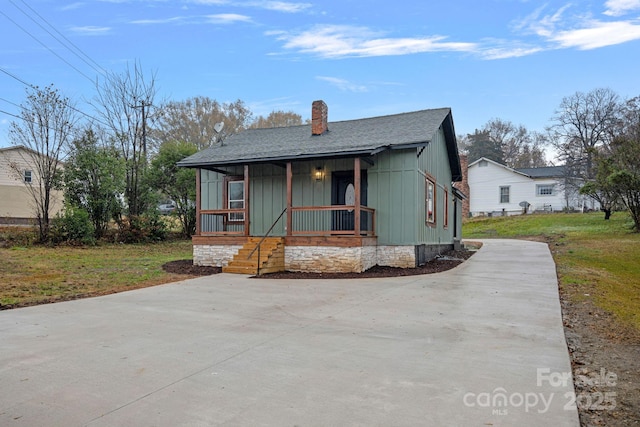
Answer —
(330, 196)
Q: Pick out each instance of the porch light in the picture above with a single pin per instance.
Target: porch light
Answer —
(319, 174)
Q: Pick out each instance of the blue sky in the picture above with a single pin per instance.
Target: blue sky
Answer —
(508, 59)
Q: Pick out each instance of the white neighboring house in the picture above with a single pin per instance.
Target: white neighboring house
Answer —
(16, 171)
(497, 189)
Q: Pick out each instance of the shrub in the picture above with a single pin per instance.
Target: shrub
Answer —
(142, 229)
(72, 226)
(11, 236)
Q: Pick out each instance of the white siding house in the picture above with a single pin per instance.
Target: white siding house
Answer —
(497, 189)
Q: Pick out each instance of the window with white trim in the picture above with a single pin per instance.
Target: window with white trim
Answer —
(445, 218)
(27, 176)
(235, 199)
(430, 201)
(504, 194)
(544, 189)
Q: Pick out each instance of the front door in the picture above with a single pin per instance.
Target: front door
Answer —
(342, 192)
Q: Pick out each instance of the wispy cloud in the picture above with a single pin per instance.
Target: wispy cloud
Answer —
(339, 41)
(219, 19)
(282, 6)
(174, 20)
(89, 30)
(343, 85)
(227, 18)
(72, 6)
(278, 6)
(596, 34)
(210, 2)
(560, 29)
(502, 51)
(621, 7)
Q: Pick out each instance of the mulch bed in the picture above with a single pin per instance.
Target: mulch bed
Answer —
(444, 262)
(185, 266)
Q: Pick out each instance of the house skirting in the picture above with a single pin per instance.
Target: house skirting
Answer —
(324, 254)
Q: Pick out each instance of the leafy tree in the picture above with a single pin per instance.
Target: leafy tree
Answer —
(194, 120)
(47, 125)
(177, 183)
(627, 178)
(94, 179)
(125, 103)
(601, 189)
(618, 168)
(277, 119)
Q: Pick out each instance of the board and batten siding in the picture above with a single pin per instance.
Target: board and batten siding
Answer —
(434, 160)
(397, 191)
(268, 190)
(392, 193)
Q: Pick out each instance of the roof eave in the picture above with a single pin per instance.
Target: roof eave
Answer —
(344, 154)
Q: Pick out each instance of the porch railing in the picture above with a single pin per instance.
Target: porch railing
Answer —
(305, 221)
(222, 222)
(331, 220)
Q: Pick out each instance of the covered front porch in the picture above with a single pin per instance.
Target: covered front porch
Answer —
(316, 207)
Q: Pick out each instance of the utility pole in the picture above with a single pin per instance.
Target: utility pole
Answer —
(142, 106)
(144, 131)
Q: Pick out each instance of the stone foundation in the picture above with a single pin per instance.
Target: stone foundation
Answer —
(317, 259)
(324, 259)
(396, 256)
(214, 255)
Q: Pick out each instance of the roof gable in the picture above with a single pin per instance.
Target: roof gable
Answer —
(343, 139)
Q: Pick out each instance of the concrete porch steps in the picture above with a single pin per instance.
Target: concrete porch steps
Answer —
(271, 257)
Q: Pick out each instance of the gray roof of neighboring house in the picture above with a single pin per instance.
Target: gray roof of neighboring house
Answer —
(362, 137)
(543, 172)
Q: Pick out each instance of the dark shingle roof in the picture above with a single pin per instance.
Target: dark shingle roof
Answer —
(343, 139)
(543, 172)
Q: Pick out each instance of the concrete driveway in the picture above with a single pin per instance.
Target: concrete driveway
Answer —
(479, 345)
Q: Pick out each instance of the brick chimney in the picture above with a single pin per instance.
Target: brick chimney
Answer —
(319, 116)
(464, 184)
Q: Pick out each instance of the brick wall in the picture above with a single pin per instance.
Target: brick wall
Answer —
(464, 185)
(319, 118)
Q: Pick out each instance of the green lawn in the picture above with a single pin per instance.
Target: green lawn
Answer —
(37, 274)
(595, 259)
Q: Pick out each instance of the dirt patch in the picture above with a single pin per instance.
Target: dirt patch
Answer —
(605, 359)
(185, 266)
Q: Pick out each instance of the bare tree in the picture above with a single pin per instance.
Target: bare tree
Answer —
(194, 121)
(47, 126)
(520, 148)
(583, 124)
(125, 102)
(277, 119)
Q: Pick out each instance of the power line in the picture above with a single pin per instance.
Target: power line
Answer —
(10, 102)
(12, 115)
(96, 67)
(34, 87)
(47, 47)
(17, 78)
